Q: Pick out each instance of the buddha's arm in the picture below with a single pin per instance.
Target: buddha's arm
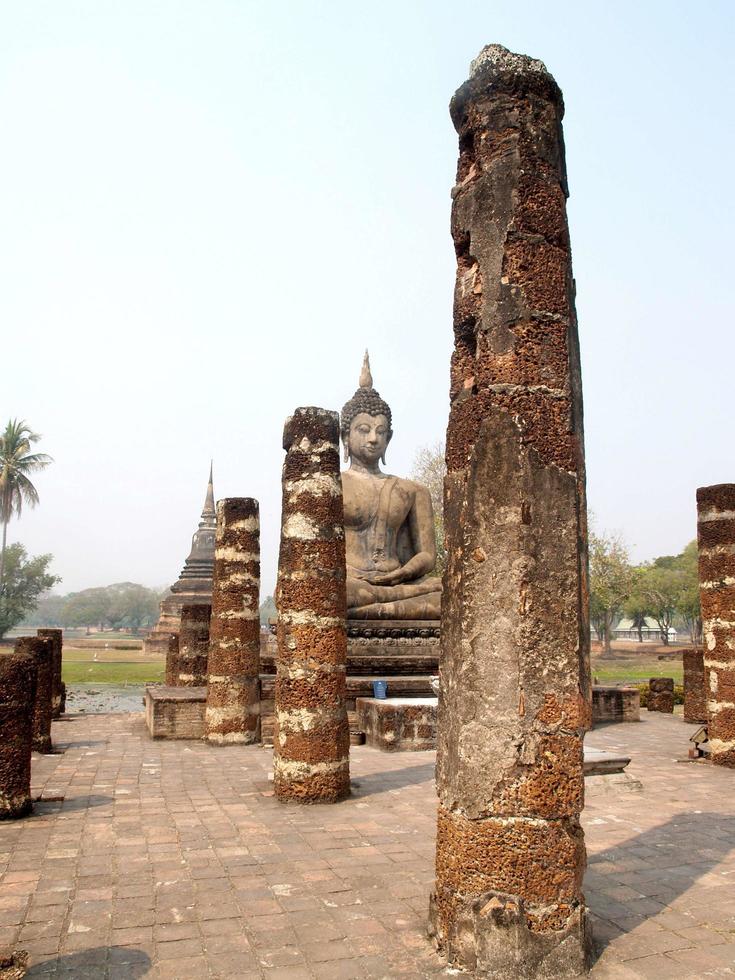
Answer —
(421, 525)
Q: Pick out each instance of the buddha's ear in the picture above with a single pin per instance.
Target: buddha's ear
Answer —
(346, 453)
(387, 440)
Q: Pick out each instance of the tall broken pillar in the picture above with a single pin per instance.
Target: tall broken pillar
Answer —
(716, 541)
(312, 738)
(41, 651)
(193, 645)
(17, 700)
(233, 693)
(57, 698)
(514, 674)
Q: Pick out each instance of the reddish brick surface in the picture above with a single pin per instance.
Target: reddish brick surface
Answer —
(173, 859)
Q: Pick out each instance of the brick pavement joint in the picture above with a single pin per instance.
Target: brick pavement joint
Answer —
(312, 738)
(716, 542)
(17, 699)
(233, 693)
(41, 651)
(515, 686)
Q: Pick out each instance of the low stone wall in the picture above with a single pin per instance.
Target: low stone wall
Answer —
(695, 699)
(615, 704)
(175, 712)
(398, 725)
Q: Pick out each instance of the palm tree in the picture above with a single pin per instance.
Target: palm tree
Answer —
(16, 462)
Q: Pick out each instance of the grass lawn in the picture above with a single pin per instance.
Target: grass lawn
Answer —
(89, 654)
(110, 667)
(635, 671)
(86, 672)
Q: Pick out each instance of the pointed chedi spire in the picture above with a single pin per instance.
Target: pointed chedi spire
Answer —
(209, 511)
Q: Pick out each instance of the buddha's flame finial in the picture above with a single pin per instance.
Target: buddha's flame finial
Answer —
(366, 378)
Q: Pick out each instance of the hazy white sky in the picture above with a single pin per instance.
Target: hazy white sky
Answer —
(208, 209)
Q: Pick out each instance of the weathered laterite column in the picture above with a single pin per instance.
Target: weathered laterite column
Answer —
(312, 738)
(194, 645)
(41, 652)
(233, 695)
(17, 700)
(716, 540)
(172, 660)
(57, 636)
(514, 673)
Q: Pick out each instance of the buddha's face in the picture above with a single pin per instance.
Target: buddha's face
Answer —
(369, 438)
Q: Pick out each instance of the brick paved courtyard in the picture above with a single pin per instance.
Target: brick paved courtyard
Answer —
(173, 859)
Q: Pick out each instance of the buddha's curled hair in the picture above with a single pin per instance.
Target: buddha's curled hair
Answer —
(366, 399)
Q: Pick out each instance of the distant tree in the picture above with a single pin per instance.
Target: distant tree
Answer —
(637, 607)
(268, 610)
(429, 469)
(132, 606)
(611, 582)
(86, 608)
(661, 586)
(25, 580)
(16, 463)
(687, 604)
(47, 612)
(124, 605)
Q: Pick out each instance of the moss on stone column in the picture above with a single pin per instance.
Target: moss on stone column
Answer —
(233, 694)
(515, 694)
(312, 738)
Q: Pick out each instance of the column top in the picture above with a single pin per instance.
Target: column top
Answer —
(496, 69)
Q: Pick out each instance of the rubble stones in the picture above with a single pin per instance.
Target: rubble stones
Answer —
(311, 737)
(193, 651)
(716, 541)
(661, 694)
(515, 685)
(57, 636)
(17, 700)
(233, 695)
(13, 964)
(41, 651)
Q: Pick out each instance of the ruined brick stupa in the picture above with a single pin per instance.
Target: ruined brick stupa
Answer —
(194, 584)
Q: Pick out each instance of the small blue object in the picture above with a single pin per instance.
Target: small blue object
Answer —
(380, 689)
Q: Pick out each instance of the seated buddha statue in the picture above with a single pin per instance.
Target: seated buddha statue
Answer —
(389, 521)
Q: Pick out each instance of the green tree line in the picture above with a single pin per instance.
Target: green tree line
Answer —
(665, 590)
(122, 606)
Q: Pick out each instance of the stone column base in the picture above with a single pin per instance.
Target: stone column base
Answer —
(491, 937)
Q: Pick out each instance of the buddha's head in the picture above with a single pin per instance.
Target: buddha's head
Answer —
(365, 422)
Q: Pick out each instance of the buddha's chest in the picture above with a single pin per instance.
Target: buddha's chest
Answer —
(372, 502)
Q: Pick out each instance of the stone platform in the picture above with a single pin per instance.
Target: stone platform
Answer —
(175, 712)
(165, 860)
(398, 724)
(611, 703)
